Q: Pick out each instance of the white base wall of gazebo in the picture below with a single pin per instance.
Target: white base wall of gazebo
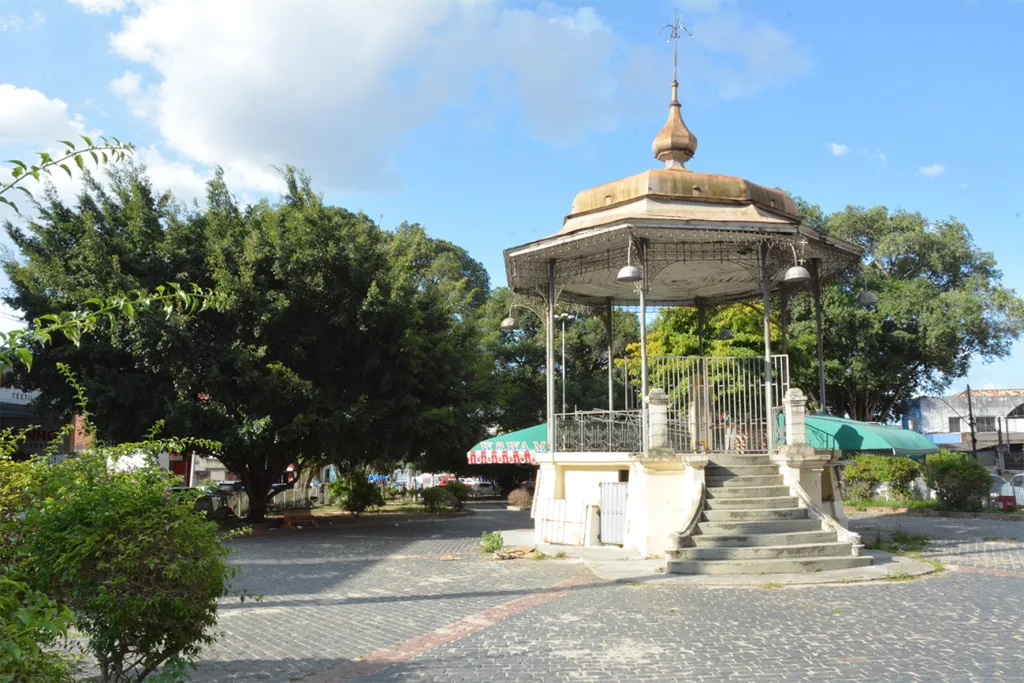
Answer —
(568, 498)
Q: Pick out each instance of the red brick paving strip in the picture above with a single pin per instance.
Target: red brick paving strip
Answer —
(401, 652)
(983, 570)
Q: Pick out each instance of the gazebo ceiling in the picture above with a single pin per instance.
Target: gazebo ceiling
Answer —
(684, 263)
(697, 236)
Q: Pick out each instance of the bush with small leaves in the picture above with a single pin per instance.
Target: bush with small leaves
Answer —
(32, 629)
(141, 571)
(492, 542)
(461, 491)
(960, 481)
(355, 493)
(867, 471)
(520, 498)
(440, 499)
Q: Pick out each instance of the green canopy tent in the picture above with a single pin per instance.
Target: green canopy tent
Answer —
(515, 448)
(828, 433)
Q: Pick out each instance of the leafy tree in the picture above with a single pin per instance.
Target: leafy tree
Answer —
(335, 341)
(518, 381)
(941, 305)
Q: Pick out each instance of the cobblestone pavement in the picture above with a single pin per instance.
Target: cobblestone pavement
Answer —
(376, 603)
(974, 543)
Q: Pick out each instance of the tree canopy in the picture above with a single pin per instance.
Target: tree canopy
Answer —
(335, 341)
(942, 306)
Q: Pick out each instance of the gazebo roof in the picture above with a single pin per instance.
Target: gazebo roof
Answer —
(700, 235)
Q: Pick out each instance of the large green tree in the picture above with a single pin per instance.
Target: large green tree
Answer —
(518, 379)
(942, 306)
(336, 341)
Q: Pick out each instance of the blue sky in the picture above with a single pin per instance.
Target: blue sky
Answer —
(481, 120)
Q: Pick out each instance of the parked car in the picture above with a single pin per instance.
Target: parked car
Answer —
(1016, 485)
(484, 488)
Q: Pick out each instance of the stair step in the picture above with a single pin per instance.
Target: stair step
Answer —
(750, 503)
(754, 567)
(741, 460)
(731, 481)
(780, 526)
(763, 552)
(754, 515)
(742, 471)
(748, 540)
(725, 492)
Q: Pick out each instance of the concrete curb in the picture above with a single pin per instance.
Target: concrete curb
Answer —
(632, 569)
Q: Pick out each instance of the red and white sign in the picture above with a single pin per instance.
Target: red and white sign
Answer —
(515, 457)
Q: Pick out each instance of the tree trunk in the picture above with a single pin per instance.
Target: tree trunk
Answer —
(257, 487)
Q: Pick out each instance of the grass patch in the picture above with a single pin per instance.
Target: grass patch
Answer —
(994, 538)
(561, 555)
(837, 611)
(540, 556)
(770, 585)
(899, 543)
(634, 583)
(899, 576)
(938, 566)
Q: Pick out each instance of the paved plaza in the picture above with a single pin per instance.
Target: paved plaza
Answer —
(387, 602)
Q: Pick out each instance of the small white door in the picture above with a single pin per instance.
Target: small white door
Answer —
(613, 512)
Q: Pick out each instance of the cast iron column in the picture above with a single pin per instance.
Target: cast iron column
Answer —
(549, 343)
(766, 286)
(816, 293)
(643, 344)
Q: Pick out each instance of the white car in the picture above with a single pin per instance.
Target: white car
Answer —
(484, 489)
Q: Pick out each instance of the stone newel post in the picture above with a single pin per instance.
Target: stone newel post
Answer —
(657, 412)
(798, 461)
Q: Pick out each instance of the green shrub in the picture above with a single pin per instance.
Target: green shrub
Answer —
(355, 493)
(867, 471)
(32, 627)
(520, 498)
(492, 542)
(860, 478)
(139, 568)
(461, 491)
(959, 481)
(440, 499)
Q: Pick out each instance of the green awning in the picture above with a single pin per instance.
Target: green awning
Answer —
(515, 447)
(825, 432)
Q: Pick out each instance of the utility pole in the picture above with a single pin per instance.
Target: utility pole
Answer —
(970, 420)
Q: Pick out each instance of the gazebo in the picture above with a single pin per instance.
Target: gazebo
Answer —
(633, 474)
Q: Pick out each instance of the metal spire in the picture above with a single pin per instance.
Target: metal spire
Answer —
(673, 37)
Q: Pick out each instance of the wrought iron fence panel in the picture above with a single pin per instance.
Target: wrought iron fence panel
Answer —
(599, 431)
(716, 404)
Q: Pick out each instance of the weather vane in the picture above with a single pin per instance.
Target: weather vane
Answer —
(673, 37)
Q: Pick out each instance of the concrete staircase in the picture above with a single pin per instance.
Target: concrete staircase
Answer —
(752, 525)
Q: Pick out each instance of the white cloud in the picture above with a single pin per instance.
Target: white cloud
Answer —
(339, 88)
(101, 6)
(989, 386)
(17, 23)
(28, 117)
(933, 170)
(837, 149)
(963, 186)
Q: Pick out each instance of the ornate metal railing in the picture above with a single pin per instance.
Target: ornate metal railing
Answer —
(716, 404)
(620, 431)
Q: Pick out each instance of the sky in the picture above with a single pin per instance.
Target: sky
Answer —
(481, 119)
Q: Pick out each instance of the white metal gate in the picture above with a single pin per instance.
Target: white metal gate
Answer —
(613, 512)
